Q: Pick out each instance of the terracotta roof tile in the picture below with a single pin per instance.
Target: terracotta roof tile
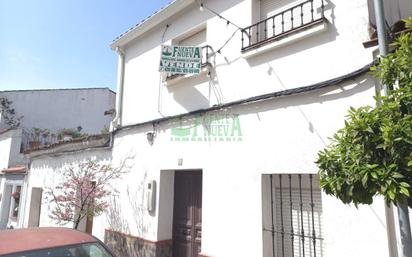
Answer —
(15, 169)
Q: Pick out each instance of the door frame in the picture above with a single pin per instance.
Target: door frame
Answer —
(14, 180)
(5, 207)
(193, 171)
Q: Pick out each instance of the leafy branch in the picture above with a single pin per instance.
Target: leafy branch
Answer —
(372, 154)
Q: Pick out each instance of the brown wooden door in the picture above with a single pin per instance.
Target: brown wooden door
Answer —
(187, 214)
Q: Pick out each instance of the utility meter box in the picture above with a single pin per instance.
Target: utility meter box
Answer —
(151, 196)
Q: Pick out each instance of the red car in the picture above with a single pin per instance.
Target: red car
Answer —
(50, 242)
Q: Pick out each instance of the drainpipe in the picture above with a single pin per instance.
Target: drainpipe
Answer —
(380, 27)
(383, 51)
(403, 215)
(117, 121)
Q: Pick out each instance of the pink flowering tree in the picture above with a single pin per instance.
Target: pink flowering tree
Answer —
(83, 193)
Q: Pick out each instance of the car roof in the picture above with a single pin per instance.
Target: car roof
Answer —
(20, 240)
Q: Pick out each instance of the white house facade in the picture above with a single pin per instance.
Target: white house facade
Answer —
(222, 163)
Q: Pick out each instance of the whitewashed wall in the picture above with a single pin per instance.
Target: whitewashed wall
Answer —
(279, 136)
(318, 57)
(10, 148)
(5, 143)
(46, 172)
(2, 181)
(65, 108)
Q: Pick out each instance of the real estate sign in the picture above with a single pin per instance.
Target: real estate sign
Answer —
(181, 59)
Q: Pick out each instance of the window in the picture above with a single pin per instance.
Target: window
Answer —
(16, 201)
(196, 37)
(292, 216)
(269, 8)
(395, 11)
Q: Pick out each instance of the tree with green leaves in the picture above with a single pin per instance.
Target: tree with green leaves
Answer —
(372, 154)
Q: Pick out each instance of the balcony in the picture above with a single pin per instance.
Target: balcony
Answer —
(36, 138)
(207, 50)
(33, 139)
(299, 17)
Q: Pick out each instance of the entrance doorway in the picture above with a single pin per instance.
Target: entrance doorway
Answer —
(187, 214)
(5, 206)
(35, 207)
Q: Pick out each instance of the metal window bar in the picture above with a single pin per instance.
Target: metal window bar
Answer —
(291, 213)
(312, 205)
(272, 215)
(299, 221)
(207, 50)
(288, 21)
(301, 215)
(281, 216)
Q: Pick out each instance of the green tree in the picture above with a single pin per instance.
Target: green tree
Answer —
(372, 154)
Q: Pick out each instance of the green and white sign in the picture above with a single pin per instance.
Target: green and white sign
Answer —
(181, 59)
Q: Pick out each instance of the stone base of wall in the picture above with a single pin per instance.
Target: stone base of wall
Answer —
(124, 245)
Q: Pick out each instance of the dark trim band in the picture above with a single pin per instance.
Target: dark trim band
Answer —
(269, 96)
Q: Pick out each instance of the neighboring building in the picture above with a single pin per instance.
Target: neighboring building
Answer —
(57, 109)
(228, 155)
(12, 174)
(41, 114)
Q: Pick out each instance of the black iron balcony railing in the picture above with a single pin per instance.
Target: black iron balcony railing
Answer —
(283, 23)
(207, 50)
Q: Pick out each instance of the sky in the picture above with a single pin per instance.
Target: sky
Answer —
(64, 43)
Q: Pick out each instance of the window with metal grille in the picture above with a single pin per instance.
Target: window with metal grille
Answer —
(292, 215)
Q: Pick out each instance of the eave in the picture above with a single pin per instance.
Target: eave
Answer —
(150, 22)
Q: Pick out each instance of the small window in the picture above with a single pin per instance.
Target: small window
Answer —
(196, 37)
(269, 8)
(16, 201)
(292, 215)
(395, 12)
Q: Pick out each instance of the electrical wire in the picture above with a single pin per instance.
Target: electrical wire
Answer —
(258, 98)
(164, 33)
(202, 5)
(218, 15)
(227, 41)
